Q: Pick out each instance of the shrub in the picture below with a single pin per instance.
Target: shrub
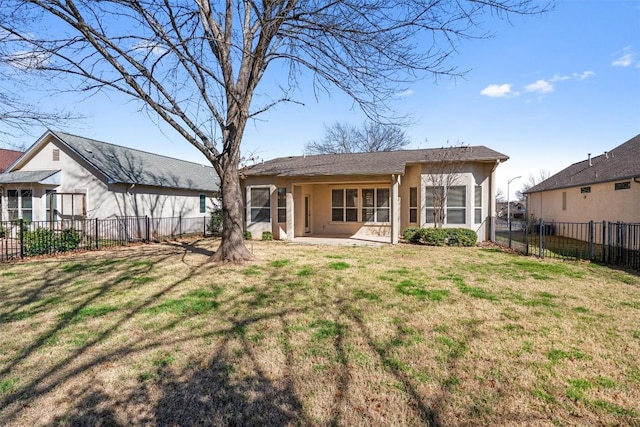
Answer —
(441, 236)
(215, 222)
(433, 236)
(44, 241)
(247, 235)
(412, 234)
(267, 235)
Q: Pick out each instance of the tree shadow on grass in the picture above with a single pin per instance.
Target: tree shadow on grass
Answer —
(211, 397)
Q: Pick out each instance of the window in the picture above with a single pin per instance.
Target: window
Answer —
(449, 208)
(585, 189)
(12, 204)
(564, 200)
(260, 205)
(623, 185)
(434, 199)
(478, 205)
(456, 204)
(282, 205)
(20, 204)
(413, 205)
(375, 205)
(203, 203)
(344, 205)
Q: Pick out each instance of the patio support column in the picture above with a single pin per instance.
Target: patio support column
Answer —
(395, 210)
(290, 213)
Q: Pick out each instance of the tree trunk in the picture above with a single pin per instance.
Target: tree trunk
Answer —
(232, 248)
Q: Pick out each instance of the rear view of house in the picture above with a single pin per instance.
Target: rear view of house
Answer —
(600, 188)
(371, 195)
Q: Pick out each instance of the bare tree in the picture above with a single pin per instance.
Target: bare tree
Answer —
(370, 136)
(531, 181)
(442, 176)
(198, 64)
(501, 197)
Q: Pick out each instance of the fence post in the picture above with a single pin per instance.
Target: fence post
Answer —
(204, 226)
(527, 230)
(509, 222)
(180, 226)
(95, 232)
(147, 232)
(604, 241)
(541, 249)
(591, 248)
(21, 229)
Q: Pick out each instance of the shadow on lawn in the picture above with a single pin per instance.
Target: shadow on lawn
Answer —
(213, 393)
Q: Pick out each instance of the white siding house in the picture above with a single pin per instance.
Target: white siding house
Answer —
(64, 176)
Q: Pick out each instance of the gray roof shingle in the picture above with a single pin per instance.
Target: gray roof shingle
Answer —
(130, 166)
(376, 163)
(23, 177)
(623, 162)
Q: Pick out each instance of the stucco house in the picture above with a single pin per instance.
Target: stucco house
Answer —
(600, 188)
(64, 176)
(368, 195)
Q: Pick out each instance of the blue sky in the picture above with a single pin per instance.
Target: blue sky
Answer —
(545, 90)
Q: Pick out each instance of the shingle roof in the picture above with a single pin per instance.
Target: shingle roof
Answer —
(130, 166)
(377, 163)
(623, 162)
(22, 177)
(7, 157)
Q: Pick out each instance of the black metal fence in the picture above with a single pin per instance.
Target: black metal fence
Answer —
(606, 242)
(20, 239)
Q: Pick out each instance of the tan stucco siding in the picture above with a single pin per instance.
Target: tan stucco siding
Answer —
(602, 203)
(319, 191)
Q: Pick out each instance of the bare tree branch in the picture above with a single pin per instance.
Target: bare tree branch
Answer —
(369, 137)
(197, 64)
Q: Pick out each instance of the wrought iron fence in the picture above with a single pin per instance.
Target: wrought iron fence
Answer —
(20, 239)
(606, 242)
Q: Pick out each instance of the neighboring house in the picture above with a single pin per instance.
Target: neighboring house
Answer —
(7, 157)
(64, 176)
(367, 195)
(517, 210)
(601, 188)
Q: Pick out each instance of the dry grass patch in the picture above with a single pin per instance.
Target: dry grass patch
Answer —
(317, 335)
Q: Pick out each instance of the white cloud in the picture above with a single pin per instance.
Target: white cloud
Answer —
(405, 93)
(627, 59)
(540, 86)
(148, 46)
(498, 91)
(28, 60)
(573, 76)
(584, 75)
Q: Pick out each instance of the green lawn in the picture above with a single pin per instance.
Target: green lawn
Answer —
(317, 335)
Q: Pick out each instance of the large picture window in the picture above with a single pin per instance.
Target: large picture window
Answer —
(260, 205)
(446, 208)
(344, 205)
(375, 205)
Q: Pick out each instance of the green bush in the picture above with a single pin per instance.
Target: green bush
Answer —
(267, 235)
(247, 235)
(215, 222)
(412, 234)
(440, 236)
(43, 241)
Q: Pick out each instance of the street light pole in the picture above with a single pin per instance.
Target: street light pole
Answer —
(509, 206)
